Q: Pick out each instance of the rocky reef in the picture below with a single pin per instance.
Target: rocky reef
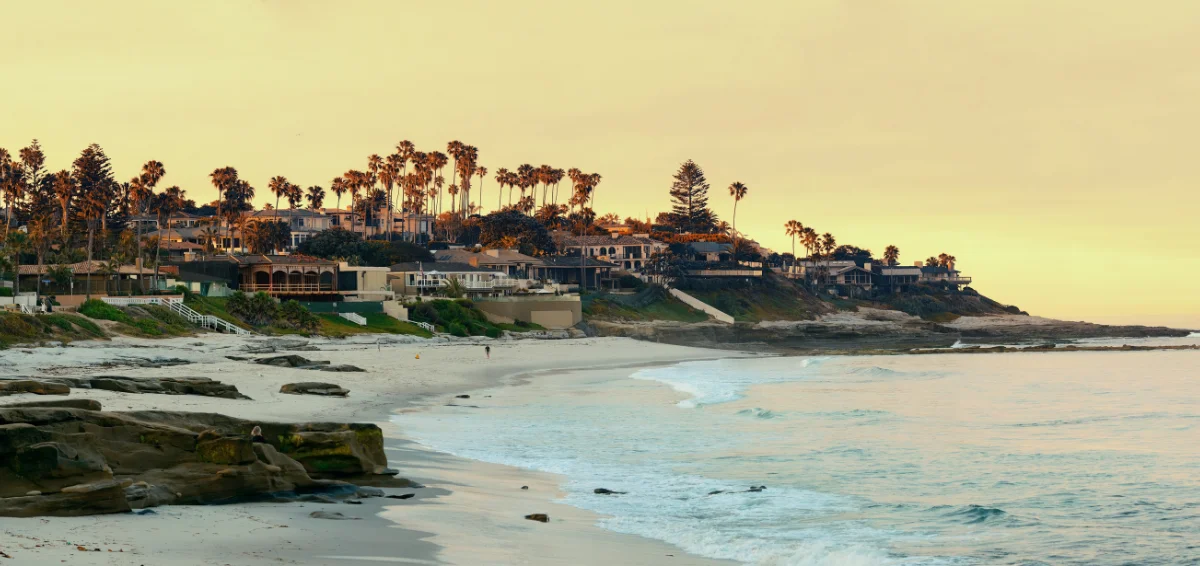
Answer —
(66, 461)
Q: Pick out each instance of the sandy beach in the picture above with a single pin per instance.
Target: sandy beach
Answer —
(467, 513)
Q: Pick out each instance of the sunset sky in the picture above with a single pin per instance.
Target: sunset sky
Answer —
(1049, 145)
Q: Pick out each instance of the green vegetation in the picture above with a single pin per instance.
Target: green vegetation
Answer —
(16, 328)
(377, 323)
(100, 310)
(771, 298)
(651, 303)
(146, 320)
(215, 306)
(940, 303)
(459, 317)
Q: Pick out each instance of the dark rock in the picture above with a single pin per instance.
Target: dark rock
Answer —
(462, 397)
(86, 404)
(603, 491)
(352, 502)
(756, 489)
(715, 492)
(201, 386)
(15, 386)
(342, 368)
(289, 361)
(539, 517)
(145, 512)
(238, 358)
(314, 388)
(524, 487)
(66, 462)
(402, 496)
(332, 515)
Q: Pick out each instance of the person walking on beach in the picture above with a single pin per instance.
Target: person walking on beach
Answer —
(488, 350)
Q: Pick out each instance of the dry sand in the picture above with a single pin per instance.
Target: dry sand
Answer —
(469, 513)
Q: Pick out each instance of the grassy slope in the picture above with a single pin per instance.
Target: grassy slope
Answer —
(652, 303)
(377, 323)
(772, 298)
(16, 328)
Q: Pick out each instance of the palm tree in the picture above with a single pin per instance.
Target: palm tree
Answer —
(64, 190)
(222, 178)
(389, 174)
(526, 177)
(891, 255)
(208, 235)
(810, 240)
(828, 243)
(793, 228)
(167, 204)
(280, 186)
(482, 172)
(501, 181)
(946, 260)
(931, 261)
(339, 188)
(315, 196)
(12, 185)
(738, 191)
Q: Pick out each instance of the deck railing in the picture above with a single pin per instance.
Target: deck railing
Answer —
(287, 287)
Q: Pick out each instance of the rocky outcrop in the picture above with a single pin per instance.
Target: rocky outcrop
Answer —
(88, 404)
(300, 362)
(314, 388)
(202, 386)
(15, 386)
(66, 462)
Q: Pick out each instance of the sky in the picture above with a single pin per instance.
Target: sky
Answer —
(1049, 145)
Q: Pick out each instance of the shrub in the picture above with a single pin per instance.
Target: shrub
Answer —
(6, 292)
(295, 316)
(493, 332)
(258, 309)
(457, 329)
(147, 326)
(100, 310)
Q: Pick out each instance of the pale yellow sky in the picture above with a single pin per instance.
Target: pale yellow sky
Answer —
(1047, 144)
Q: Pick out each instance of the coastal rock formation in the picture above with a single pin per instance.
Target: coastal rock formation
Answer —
(300, 362)
(539, 517)
(15, 386)
(69, 462)
(314, 388)
(202, 386)
(88, 404)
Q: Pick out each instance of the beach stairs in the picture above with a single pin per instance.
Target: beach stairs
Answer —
(354, 317)
(176, 304)
(714, 312)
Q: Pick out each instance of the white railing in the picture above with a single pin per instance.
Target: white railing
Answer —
(428, 327)
(176, 305)
(354, 317)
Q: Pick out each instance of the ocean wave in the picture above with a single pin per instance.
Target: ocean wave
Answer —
(724, 381)
(1096, 419)
(971, 514)
(758, 413)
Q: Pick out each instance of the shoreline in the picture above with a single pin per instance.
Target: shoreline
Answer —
(458, 490)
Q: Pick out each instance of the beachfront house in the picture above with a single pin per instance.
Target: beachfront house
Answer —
(567, 270)
(304, 224)
(626, 252)
(511, 262)
(433, 278)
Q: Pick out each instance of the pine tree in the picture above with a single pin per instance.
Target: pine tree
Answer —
(689, 200)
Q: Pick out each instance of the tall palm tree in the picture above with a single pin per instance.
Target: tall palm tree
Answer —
(482, 172)
(793, 228)
(339, 188)
(280, 186)
(810, 239)
(738, 191)
(828, 244)
(501, 181)
(223, 178)
(315, 196)
(64, 190)
(891, 255)
(166, 205)
(389, 174)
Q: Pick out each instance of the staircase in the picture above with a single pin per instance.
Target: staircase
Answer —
(176, 304)
(354, 317)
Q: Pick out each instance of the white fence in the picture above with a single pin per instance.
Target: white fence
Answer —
(176, 304)
(354, 317)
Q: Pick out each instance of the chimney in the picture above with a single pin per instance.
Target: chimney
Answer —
(919, 264)
(950, 265)
(492, 253)
(616, 235)
(473, 261)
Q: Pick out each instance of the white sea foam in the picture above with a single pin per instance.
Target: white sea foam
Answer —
(723, 381)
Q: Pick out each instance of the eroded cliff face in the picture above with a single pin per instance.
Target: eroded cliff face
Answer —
(67, 461)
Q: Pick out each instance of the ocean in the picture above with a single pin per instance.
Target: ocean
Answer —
(1023, 458)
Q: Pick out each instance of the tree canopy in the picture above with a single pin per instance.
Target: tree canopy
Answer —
(512, 227)
(689, 200)
(344, 245)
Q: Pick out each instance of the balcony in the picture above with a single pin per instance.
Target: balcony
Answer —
(288, 288)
